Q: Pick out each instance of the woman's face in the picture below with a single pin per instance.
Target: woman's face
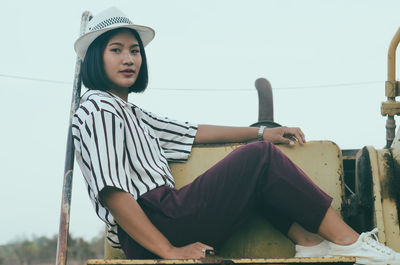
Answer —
(122, 59)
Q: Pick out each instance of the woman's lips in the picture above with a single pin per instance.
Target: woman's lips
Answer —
(127, 72)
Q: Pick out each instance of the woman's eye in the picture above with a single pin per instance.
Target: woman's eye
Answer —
(115, 50)
(135, 51)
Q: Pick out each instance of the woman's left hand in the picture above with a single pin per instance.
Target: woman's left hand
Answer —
(284, 135)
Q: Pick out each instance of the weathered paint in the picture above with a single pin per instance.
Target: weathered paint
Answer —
(64, 220)
(332, 260)
(384, 194)
(395, 151)
(389, 195)
(377, 194)
(365, 219)
(62, 248)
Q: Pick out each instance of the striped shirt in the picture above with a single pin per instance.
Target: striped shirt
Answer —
(120, 145)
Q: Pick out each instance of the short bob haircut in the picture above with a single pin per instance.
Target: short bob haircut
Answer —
(92, 69)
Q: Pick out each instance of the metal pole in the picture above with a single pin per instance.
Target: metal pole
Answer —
(391, 88)
(62, 248)
(265, 100)
(265, 104)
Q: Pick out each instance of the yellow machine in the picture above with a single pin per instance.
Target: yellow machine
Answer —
(364, 183)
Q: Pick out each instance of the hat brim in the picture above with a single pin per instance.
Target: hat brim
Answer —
(83, 42)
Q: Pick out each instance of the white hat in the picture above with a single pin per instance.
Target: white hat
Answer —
(109, 19)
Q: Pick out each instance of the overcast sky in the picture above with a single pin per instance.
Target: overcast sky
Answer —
(326, 61)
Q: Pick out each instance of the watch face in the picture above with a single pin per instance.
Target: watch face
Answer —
(261, 133)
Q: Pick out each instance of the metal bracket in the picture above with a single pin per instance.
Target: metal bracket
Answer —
(390, 108)
(391, 89)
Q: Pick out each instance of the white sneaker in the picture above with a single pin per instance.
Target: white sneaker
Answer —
(367, 250)
(319, 250)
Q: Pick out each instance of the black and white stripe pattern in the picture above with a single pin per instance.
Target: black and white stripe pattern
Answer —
(111, 21)
(121, 145)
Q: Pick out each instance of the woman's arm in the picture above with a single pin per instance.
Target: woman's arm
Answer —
(135, 222)
(226, 134)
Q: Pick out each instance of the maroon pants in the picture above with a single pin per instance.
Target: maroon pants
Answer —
(216, 203)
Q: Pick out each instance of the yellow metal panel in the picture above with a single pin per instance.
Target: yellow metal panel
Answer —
(376, 186)
(320, 160)
(385, 208)
(331, 260)
(201, 158)
(257, 239)
(395, 149)
(396, 146)
(388, 201)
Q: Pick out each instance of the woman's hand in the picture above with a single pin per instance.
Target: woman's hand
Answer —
(192, 251)
(284, 135)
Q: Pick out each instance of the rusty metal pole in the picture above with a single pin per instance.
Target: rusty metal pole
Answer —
(265, 104)
(62, 240)
(265, 100)
(391, 107)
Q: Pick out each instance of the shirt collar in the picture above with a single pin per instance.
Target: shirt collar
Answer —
(107, 94)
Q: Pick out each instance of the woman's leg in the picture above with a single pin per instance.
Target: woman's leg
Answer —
(334, 229)
(218, 201)
(302, 237)
(210, 208)
(313, 245)
(286, 187)
(291, 229)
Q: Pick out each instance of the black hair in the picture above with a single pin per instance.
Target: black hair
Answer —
(92, 69)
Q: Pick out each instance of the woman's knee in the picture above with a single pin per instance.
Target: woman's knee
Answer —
(255, 152)
(259, 148)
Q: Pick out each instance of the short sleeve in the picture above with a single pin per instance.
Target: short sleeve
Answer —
(103, 151)
(176, 137)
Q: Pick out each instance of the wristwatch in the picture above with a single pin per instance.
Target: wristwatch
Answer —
(260, 133)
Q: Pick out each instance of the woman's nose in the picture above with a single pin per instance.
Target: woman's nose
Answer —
(127, 58)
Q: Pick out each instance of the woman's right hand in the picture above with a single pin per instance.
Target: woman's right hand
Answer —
(192, 251)
(284, 135)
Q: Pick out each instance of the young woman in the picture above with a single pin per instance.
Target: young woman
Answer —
(123, 151)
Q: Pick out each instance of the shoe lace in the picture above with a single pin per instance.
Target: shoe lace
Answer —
(371, 239)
